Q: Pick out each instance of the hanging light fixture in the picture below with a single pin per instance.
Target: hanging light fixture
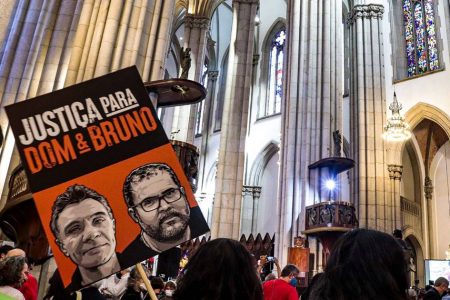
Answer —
(396, 129)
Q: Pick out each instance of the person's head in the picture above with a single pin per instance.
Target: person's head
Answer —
(397, 234)
(157, 202)
(157, 284)
(16, 252)
(290, 274)
(270, 276)
(135, 280)
(84, 227)
(441, 285)
(219, 269)
(4, 250)
(13, 271)
(364, 264)
(170, 288)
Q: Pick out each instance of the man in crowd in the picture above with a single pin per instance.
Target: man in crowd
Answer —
(29, 288)
(84, 229)
(436, 292)
(157, 202)
(284, 287)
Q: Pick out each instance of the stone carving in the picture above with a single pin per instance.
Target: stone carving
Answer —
(337, 138)
(185, 57)
(428, 187)
(365, 11)
(192, 21)
(395, 172)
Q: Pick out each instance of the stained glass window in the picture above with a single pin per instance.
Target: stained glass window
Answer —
(275, 82)
(420, 36)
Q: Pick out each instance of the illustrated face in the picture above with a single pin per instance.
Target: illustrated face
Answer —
(160, 208)
(87, 233)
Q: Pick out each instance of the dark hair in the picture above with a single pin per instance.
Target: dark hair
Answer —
(365, 265)
(170, 284)
(135, 276)
(288, 270)
(220, 269)
(11, 270)
(5, 248)
(397, 233)
(440, 281)
(157, 283)
(75, 194)
(138, 174)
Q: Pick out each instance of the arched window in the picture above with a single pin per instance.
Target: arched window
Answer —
(272, 104)
(420, 36)
(201, 106)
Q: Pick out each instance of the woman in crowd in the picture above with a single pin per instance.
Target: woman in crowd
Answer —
(13, 273)
(221, 269)
(364, 265)
(169, 290)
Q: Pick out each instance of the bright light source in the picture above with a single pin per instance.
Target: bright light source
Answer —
(330, 184)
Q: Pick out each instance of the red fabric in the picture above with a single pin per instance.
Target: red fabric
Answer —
(278, 289)
(30, 288)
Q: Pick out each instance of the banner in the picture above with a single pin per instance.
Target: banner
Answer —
(108, 187)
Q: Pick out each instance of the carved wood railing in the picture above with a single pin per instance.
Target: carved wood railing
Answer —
(331, 214)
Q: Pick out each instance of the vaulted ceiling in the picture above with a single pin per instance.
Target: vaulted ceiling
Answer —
(430, 137)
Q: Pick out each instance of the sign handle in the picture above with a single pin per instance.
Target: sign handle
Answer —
(150, 290)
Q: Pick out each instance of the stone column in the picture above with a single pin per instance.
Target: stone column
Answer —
(428, 190)
(312, 110)
(370, 189)
(230, 171)
(206, 124)
(394, 214)
(249, 218)
(195, 30)
(58, 43)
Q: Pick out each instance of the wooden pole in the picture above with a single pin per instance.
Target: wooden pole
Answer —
(150, 290)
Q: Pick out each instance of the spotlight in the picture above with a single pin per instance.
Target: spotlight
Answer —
(330, 184)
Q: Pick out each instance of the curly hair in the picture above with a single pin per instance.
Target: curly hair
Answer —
(221, 269)
(11, 270)
(366, 265)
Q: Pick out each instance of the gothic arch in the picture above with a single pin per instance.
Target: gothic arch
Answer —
(417, 114)
(255, 175)
(412, 238)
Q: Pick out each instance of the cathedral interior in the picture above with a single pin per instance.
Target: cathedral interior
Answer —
(298, 92)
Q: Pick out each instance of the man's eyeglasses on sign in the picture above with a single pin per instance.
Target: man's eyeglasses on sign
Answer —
(169, 195)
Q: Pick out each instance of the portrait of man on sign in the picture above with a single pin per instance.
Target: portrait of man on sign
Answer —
(84, 228)
(157, 202)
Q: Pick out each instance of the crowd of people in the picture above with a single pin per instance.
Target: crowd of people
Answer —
(364, 264)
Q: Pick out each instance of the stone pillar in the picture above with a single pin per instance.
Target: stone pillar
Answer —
(370, 189)
(249, 218)
(206, 124)
(230, 170)
(394, 214)
(312, 110)
(195, 29)
(58, 43)
(428, 190)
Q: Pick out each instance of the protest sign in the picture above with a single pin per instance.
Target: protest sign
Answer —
(108, 187)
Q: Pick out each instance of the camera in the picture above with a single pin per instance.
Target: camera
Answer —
(269, 258)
